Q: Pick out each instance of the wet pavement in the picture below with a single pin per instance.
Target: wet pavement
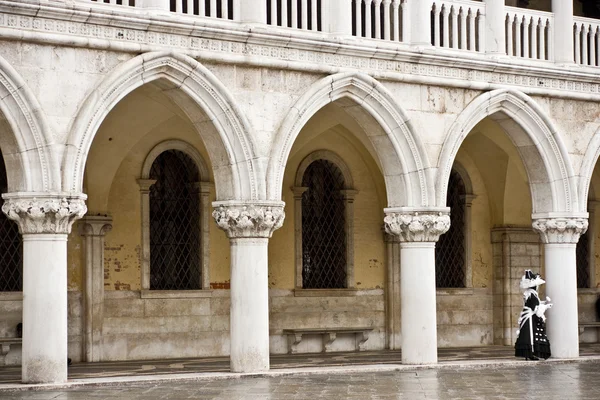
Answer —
(530, 381)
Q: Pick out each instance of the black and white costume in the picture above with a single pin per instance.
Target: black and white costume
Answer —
(532, 342)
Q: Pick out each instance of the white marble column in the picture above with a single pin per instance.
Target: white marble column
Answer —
(495, 27)
(563, 31)
(93, 229)
(249, 225)
(44, 221)
(418, 232)
(420, 22)
(560, 236)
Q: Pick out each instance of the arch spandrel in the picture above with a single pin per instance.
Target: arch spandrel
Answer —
(544, 155)
(401, 154)
(200, 95)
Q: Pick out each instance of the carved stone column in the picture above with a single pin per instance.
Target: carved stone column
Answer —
(249, 225)
(44, 221)
(392, 292)
(418, 232)
(560, 236)
(94, 228)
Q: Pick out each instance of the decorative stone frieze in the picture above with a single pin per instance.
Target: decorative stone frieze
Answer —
(560, 230)
(44, 214)
(417, 226)
(249, 220)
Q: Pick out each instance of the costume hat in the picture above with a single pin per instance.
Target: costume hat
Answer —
(531, 280)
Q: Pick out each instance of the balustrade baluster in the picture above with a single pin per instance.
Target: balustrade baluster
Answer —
(482, 40)
(526, 24)
(225, 9)
(437, 35)
(405, 22)
(584, 44)
(314, 25)
(190, 7)
(472, 39)
(593, 46)
(463, 28)
(202, 8)
(284, 14)
(396, 20)
(274, 12)
(213, 8)
(577, 44)
(304, 14)
(178, 6)
(294, 6)
(534, 27)
(454, 15)
(377, 19)
(509, 36)
(358, 14)
(550, 36)
(543, 40)
(518, 52)
(368, 29)
(386, 19)
(445, 26)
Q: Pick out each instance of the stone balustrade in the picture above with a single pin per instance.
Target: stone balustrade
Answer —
(460, 25)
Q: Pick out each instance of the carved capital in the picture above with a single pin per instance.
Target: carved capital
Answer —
(560, 230)
(249, 220)
(95, 225)
(417, 226)
(44, 213)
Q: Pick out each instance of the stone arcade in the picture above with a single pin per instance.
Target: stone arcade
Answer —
(425, 153)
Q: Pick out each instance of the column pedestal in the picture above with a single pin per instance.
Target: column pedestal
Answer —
(44, 221)
(249, 227)
(560, 236)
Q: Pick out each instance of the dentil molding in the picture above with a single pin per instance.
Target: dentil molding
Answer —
(54, 215)
(417, 226)
(560, 230)
(249, 220)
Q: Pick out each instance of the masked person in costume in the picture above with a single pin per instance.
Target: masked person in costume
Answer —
(532, 342)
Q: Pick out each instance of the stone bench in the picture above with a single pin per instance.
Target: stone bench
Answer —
(329, 336)
(10, 349)
(583, 325)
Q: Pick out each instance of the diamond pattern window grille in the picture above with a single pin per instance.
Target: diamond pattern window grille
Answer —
(174, 223)
(323, 227)
(450, 257)
(11, 253)
(582, 253)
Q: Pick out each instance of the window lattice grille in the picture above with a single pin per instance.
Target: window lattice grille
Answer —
(323, 227)
(174, 223)
(582, 253)
(450, 249)
(11, 253)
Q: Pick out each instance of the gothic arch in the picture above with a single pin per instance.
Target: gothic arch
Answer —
(329, 156)
(182, 146)
(200, 95)
(401, 154)
(587, 170)
(542, 151)
(30, 165)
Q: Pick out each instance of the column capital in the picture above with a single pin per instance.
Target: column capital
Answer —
(52, 213)
(417, 226)
(95, 225)
(560, 229)
(252, 219)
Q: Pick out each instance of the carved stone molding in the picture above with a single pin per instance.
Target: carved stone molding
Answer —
(417, 226)
(249, 220)
(44, 214)
(560, 230)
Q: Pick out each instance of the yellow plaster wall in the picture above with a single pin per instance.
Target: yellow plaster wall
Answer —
(369, 255)
(111, 184)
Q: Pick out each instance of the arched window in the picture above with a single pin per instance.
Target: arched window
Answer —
(11, 254)
(175, 256)
(451, 249)
(324, 211)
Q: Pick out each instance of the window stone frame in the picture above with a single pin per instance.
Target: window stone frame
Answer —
(203, 187)
(348, 194)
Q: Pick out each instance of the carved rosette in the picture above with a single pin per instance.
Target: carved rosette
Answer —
(560, 230)
(54, 215)
(417, 226)
(249, 220)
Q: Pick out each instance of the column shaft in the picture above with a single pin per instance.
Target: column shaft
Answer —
(561, 287)
(419, 323)
(44, 308)
(249, 305)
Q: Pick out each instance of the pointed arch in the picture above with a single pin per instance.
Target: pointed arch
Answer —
(30, 165)
(401, 154)
(586, 172)
(542, 151)
(201, 96)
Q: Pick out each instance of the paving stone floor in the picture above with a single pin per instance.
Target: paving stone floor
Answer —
(543, 381)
